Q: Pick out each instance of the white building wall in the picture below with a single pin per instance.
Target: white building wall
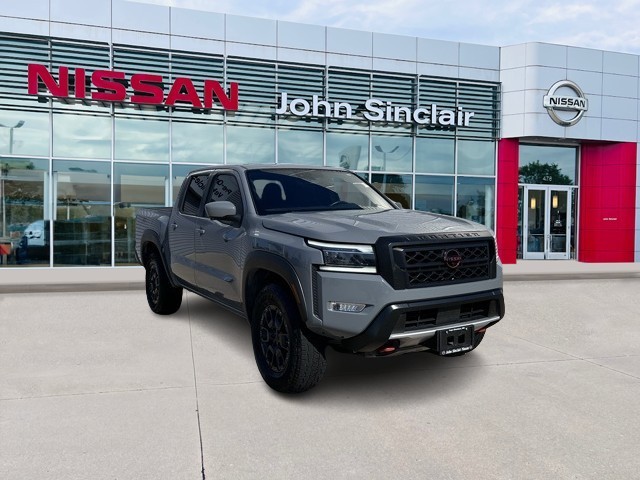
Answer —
(123, 21)
(608, 79)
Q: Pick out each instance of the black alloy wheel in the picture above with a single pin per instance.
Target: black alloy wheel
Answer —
(274, 339)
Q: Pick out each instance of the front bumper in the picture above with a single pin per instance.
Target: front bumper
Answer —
(412, 325)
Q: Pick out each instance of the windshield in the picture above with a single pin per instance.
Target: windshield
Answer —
(303, 190)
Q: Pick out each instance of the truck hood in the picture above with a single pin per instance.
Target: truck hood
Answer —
(365, 227)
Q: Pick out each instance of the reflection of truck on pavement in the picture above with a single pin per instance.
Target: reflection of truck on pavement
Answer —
(316, 257)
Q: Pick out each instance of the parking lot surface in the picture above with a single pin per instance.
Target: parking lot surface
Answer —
(94, 385)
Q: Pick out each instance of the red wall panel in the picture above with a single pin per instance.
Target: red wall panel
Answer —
(507, 199)
(607, 202)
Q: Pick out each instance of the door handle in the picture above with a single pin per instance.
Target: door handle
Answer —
(174, 225)
(201, 230)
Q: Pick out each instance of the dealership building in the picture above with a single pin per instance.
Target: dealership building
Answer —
(105, 106)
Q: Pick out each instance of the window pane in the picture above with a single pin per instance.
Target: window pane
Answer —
(24, 231)
(541, 164)
(250, 145)
(24, 133)
(348, 151)
(82, 217)
(135, 185)
(142, 139)
(196, 142)
(391, 154)
(434, 155)
(476, 200)
(302, 147)
(193, 194)
(84, 136)
(434, 194)
(476, 158)
(179, 173)
(396, 187)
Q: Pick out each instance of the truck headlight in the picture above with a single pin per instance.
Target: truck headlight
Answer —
(344, 257)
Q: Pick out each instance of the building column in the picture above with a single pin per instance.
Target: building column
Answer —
(507, 197)
(607, 210)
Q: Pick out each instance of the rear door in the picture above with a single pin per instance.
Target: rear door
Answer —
(182, 227)
(219, 243)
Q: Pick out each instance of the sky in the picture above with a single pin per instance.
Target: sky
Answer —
(604, 25)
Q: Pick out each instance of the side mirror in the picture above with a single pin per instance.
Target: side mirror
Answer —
(219, 210)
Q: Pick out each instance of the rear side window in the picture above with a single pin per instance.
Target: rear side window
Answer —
(193, 195)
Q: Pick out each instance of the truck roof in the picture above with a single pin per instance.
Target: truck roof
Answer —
(262, 166)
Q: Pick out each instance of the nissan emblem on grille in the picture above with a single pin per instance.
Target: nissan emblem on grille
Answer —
(452, 258)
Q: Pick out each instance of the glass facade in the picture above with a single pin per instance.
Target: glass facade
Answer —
(74, 170)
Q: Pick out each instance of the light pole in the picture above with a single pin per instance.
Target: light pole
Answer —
(384, 155)
(4, 172)
(17, 125)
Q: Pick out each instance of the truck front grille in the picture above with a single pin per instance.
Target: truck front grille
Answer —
(428, 265)
(418, 261)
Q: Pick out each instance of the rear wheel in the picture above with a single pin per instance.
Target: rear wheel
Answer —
(163, 298)
(288, 361)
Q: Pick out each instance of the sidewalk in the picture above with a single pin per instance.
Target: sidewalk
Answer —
(81, 279)
(568, 269)
(132, 278)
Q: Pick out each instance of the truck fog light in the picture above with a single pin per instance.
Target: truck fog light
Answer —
(346, 307)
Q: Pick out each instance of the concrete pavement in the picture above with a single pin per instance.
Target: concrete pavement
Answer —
(93, 385)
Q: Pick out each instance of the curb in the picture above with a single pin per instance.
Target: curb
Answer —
(128, 286)
(536, 277)
(71, 287)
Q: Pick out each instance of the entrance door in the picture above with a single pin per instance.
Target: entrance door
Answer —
(547, 223)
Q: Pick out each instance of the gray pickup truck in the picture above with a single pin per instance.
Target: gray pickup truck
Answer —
(317, 257)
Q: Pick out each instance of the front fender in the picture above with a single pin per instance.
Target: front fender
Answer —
(270, 262)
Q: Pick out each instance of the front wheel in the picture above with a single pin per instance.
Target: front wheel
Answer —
(163, 298)
(288, 361)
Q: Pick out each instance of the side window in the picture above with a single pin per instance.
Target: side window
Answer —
(193, 195)
(225, 188)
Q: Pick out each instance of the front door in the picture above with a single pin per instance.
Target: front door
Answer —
(219, 243)
(547, 223)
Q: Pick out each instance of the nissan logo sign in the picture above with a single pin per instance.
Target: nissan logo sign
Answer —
(556, 105)
(452, 258)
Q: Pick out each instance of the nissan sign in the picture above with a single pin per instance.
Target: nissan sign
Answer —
(139, 88)
(557, 104)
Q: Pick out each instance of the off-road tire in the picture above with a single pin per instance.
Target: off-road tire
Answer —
(287, 360)
(163, 298)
